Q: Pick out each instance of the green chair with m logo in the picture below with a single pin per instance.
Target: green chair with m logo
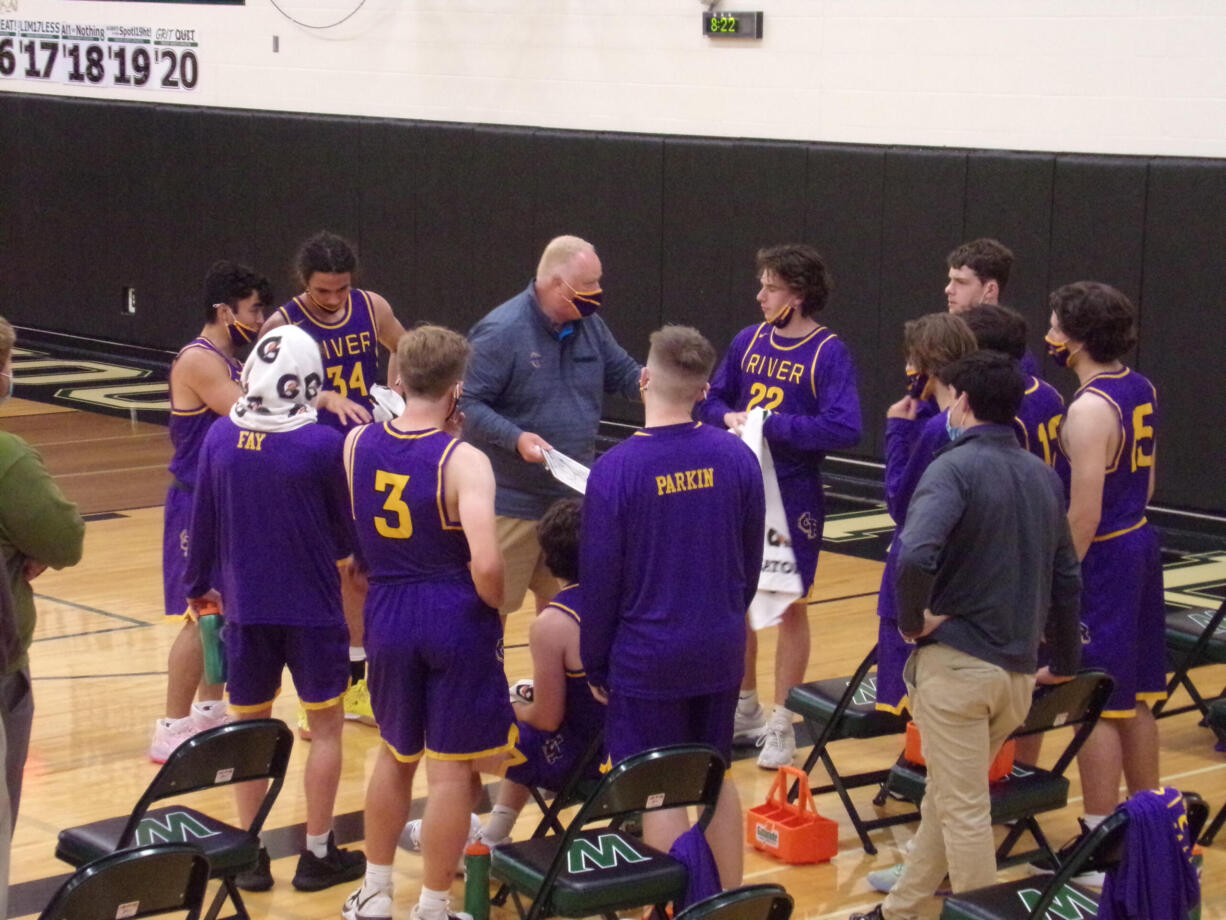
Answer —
(257, 749)
(1058, 896)
(601, 870)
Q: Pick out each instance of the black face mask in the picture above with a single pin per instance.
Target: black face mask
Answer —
(917, 385)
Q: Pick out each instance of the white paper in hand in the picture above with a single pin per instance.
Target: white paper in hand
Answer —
(567, 471)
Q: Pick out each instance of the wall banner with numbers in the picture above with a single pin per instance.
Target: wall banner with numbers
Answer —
(108, 56)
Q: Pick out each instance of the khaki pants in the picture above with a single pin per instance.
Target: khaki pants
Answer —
(523, 564)
(965, 708)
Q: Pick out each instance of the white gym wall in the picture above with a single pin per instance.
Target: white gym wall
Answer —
(1106, 76)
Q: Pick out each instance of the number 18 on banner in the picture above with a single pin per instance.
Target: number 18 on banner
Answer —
(105, 56)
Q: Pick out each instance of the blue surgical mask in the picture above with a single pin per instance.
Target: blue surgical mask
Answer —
(951, 429)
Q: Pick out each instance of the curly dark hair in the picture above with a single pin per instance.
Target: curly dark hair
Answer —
(801, 268)
(997, 328)
(326, 253)
(1098, 316)
(558, 533)
(228, 282)
(989, 259)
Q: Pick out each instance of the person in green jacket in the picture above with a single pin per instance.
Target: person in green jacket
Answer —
(39, 527)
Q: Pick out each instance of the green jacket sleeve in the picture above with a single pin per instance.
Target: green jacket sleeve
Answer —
(36, 520)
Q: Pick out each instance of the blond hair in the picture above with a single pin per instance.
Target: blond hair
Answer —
(558, 253)
(431, 359)
(680, 360)
(7, 339)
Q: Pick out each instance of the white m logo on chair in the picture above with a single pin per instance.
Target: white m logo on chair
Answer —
(172, 827)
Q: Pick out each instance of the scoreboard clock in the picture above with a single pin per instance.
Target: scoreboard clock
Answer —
(732, 25)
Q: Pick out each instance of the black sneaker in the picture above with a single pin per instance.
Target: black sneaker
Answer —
(257, 879)
(315, 874)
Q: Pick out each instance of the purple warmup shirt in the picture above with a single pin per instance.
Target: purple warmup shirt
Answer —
(271, 515)
(189, 426)
(671, 547)
(350, 348)
(808, 384)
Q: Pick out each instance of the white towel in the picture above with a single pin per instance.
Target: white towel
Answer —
(281, 381)
(779, 583)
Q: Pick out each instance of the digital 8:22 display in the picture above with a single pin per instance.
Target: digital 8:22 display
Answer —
(104, 56)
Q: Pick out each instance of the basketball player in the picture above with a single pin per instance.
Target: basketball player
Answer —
(349, 324)
(1109, 438)
(802, 372)
(978, 273)
(912, 439)
(558, 724)
(671, 550)
(1037, 425)
(274, 550)
(423, 503)
(203, 387)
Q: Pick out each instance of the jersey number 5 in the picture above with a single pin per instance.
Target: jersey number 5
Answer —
(399, 527)
(1142, 433)
(769, 397)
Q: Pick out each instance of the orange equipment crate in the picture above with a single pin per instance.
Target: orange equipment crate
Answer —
(793, 833)
(1001, 767)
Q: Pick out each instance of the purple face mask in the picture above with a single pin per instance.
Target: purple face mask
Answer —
(585, 303)
(917, 385)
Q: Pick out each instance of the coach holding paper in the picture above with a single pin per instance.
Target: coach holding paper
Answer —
(540, 366)
(987, 568)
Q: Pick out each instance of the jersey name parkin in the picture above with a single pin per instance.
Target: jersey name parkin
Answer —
(685, 481)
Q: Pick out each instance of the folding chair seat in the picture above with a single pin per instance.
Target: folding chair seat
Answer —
(585, 871)
(1057, 896)
(752, 902)
(1193, 638)
(143, 882)
(257, 749)
(1030, 790)
(840, 708)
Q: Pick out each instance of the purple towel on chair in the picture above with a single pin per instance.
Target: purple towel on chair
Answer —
(1156, 877)
(692, 851)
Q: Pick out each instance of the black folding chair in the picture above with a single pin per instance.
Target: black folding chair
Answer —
(840, 708)
(752, 902)
(1030, 790)
(585, 871)
(144, 882)
(1057, 895)
(1193, 638)
(256, 749)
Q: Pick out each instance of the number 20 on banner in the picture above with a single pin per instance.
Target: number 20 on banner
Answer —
(108, 62)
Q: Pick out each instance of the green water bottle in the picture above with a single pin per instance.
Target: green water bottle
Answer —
(211, 622)
(477, 881)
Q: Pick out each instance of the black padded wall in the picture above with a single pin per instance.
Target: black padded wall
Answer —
(450, 219)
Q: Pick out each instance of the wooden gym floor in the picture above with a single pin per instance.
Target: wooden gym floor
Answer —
(99, 669)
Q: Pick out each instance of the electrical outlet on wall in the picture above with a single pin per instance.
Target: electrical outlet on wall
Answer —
(129, 300)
